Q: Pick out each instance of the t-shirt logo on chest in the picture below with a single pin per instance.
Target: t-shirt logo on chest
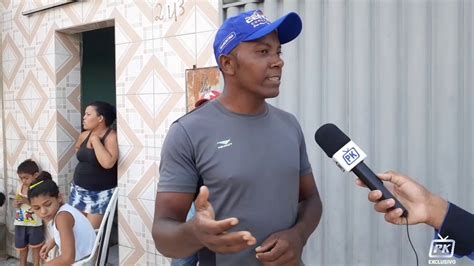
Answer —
(224, 143)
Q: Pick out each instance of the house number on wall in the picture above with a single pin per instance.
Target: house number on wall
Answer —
(170, 11)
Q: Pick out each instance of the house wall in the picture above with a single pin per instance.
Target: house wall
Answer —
(41, 94)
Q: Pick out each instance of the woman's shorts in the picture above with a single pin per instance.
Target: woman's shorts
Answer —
(25, 236)
(93, 202)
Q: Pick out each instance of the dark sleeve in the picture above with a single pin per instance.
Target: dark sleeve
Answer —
(459, 226)
(177, 172)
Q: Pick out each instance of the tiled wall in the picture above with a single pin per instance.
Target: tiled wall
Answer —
(41, 93)
(2, 160)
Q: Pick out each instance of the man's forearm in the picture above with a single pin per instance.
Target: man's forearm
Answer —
(175, 239)
(309, 215)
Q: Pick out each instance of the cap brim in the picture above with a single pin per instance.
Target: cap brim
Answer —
(288, 27)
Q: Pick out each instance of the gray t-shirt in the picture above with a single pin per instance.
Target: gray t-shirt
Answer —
(251, 164)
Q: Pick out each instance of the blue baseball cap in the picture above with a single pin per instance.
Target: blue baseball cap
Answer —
(251, 26)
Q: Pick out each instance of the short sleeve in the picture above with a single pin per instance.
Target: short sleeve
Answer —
(305, 166)
(177, 165)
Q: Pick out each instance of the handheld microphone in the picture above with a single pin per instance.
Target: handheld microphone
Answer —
(349, 157)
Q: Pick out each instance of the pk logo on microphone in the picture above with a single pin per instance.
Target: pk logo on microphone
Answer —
(350, 156)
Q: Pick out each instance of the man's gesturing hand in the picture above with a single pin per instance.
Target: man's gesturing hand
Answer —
(281, 248)
(213, 234)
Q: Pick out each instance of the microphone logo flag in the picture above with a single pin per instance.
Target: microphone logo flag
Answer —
(349, 156)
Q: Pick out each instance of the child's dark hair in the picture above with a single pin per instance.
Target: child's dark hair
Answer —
(43, 185)
(106, 110)
(27, 167)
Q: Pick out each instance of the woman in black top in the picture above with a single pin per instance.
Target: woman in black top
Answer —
(95, 175)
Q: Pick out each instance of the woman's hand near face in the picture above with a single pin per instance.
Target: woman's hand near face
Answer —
(107, 153)
(95, 140)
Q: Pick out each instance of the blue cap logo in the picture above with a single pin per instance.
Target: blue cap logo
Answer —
(257, 19)
(226, 41)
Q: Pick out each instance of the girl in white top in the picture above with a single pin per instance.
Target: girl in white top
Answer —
(72, 232)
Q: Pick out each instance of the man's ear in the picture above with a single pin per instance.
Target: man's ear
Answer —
(35, 175)
(227, 64)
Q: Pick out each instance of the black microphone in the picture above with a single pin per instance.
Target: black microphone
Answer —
(349, 157)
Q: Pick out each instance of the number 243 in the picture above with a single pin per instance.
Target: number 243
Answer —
(174, 10)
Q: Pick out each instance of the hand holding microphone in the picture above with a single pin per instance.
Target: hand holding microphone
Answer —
(423, 206)
(349, 157)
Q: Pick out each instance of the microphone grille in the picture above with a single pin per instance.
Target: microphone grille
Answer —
(330, 138)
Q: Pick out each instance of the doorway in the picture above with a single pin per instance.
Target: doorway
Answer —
(98, 84)
(98, 67)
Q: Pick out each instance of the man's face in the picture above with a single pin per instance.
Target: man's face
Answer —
(259, 66)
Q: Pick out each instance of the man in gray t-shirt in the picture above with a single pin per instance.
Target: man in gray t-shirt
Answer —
(259, 202)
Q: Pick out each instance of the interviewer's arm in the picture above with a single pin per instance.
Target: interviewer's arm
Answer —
(459, 226)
